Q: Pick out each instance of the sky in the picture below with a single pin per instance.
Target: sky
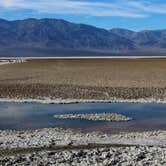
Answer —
(130, 14)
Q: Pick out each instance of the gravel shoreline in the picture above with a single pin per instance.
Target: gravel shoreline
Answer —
(57, 136)
(146, 148)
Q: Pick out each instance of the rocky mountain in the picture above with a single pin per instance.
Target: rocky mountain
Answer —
(51, 37)
(146, 38)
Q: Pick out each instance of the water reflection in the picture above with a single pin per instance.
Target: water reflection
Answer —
(23, 116)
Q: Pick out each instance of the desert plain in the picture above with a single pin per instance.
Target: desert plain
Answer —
(83, 80)
(89, 79)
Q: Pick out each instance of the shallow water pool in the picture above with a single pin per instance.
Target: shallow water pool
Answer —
(26, 116)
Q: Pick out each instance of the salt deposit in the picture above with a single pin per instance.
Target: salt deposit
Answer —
(95, 117)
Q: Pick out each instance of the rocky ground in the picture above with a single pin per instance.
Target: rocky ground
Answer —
(120, 156)
(95, 117)
(66, 147)
(40, 91)
(59, 137)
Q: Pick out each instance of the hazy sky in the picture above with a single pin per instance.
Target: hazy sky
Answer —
(131, 14)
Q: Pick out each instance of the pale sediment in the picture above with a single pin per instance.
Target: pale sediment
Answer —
(56, 136)
(66, 147)
(95, 117)
(46, 100)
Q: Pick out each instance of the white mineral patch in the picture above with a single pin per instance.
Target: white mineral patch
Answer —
(95, 117)
(12, 61)
(46, 100)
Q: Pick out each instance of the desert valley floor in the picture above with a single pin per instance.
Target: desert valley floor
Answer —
(100, 79)
(56, 81)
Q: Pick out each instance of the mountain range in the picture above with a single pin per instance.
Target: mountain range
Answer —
(53, 37)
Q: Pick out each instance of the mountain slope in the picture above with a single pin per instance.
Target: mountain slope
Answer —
(59, 34)
(147, 38)
(52, 37)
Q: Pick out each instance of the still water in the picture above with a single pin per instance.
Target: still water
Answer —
(25, 116)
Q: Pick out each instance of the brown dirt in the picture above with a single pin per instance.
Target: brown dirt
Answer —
(86, 78)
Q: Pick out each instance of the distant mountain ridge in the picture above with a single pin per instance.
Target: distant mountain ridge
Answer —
(146, 38)
(53, 37)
